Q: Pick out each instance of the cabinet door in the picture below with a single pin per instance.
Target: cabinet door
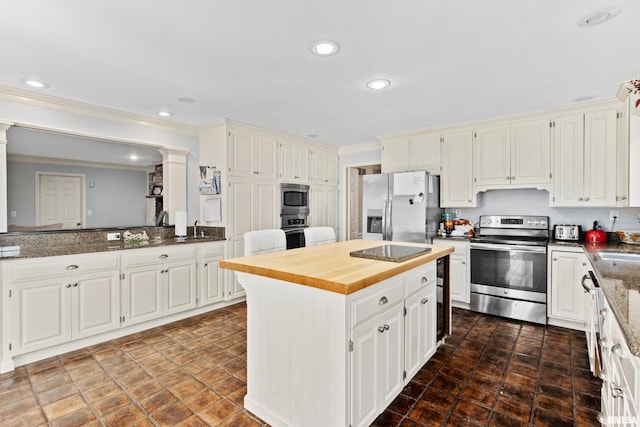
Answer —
(365, 379)
(142, 294)
(331, 177)
(40, 314)
(265, 208)
(420, 329)
(318, 196)
(211, 281)
(456, 182)
(294, 162)
(568, 161)
(324, 168)
(567, 294)
(180, 285)
(95, 299)
(240, 149)
(600, 144)
(424, 153)
(395, 156)
(391, 354)
(264, 156)
(531, 152)
(492, 154)
(459, 282)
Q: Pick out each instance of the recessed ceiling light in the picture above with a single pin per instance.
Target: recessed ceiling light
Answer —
(598, 17)
(133, 157)
(312, 135)
(36, 84)
(164, 113)
(583, 98)
(186, 100)
(324, 47)
(378, 84)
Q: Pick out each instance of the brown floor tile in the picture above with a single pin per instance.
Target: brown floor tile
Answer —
(515, 409)
(219, 411)
(111, 403)
(55, 394)
(172, 414)
(157, 401)
(401, 404)
(481, 389)
(64, 407)
(470, 411)
(81, 417)
(426, 414)
(124, 416)
(546, 418)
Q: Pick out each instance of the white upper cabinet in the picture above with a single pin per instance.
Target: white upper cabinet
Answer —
(456, 181)
(294, 162)
(585, 158)
(252, 155)
(513, 155)
(324, 167)
(419, 152)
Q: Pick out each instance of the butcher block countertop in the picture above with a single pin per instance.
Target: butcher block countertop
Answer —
(330, 267)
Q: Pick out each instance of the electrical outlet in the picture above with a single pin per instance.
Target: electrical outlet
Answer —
(614, 214)
(458, 213)
(113, 236)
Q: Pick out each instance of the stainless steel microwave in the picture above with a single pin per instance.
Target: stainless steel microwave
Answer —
(294, 198)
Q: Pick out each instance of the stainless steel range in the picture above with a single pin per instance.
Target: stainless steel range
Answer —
(509, 267)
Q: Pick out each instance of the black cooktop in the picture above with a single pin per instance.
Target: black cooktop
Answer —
(393, 253)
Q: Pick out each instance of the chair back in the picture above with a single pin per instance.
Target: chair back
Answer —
(261, 241)
(319, 235)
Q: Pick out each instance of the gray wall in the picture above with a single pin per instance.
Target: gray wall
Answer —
(117, 199)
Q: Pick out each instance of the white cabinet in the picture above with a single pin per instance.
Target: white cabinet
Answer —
(456, 181)
(323, 206)
(513, 155)
(294, 162)
(324, 167)
(54, 301)
(158, 282)
(567, 297)
(377, 359)
(585, 158)
(420, 316)
(459, 271)
(620, 374)
(252, 154)
(210, 275)
(414, 153)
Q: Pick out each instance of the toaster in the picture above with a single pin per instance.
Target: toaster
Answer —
(567, 232)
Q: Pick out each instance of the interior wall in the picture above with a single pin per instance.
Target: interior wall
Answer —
(117, 199)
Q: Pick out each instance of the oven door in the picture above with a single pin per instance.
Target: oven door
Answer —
(295, 237)
(514, 267)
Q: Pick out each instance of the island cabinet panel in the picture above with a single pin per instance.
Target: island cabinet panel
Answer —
(317, 357)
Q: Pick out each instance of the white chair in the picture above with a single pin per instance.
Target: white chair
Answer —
(261, 241)
(319, 235)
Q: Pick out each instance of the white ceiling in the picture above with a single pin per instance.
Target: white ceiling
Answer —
(249, 60)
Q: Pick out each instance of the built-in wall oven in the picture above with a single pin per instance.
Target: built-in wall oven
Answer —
(294, 212)
(509, 267)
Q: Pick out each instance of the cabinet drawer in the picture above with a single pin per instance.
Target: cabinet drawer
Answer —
(420, 278)
(158, 256)
(212, 250)
(623, 361)
(459, 246)
(65, 265)
(376, 302)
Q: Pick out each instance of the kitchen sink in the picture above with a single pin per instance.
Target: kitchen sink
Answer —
(619, 256)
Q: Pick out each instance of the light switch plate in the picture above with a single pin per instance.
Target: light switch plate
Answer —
(113, 236)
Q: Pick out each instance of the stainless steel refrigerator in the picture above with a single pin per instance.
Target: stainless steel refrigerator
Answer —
(403, 207)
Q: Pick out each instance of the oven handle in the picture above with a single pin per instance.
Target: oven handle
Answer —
(508, 248)
(293, 230)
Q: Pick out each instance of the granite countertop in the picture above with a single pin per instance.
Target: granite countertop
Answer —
(16, 252)
(620, 283)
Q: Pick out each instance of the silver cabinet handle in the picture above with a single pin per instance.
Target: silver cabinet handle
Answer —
(71, 267)
(381, 329)
(603, 375)
(616, 392)
(163, 256)
(68, 285)
(580, 199)
(424, 280)
(513, 177)
(386, 327)
(586, 199)
(507, 178)
(624, 197)
(424, 300)
(75, 285)
(584, 285)
(383, 300)
(603, 312)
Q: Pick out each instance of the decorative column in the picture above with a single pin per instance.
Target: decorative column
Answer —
(3, 176)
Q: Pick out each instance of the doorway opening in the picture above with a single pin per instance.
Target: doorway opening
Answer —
(354, 197)
(59, 200)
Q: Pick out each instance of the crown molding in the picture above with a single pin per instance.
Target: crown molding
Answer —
(66, 105)
(360, 148)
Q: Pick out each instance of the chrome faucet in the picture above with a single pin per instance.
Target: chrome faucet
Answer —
(195, 229)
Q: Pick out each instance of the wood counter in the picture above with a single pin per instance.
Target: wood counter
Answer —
(330, 267)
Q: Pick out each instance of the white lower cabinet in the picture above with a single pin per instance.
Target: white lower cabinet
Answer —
(620, 374)
(59, 300)
(459, 271)
(567, 297)
(158, 282)
(393, 335)
(210, 280)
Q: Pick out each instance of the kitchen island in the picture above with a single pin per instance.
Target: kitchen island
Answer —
(332, 338)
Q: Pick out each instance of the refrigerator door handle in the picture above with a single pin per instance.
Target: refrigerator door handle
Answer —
(384, 219)
(390, 220)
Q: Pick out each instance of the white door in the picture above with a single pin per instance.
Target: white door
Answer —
(59, 200)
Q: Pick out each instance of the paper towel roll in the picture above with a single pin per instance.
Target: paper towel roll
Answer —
(181, 224)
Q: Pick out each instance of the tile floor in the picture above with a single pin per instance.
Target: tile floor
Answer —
(490, 372)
